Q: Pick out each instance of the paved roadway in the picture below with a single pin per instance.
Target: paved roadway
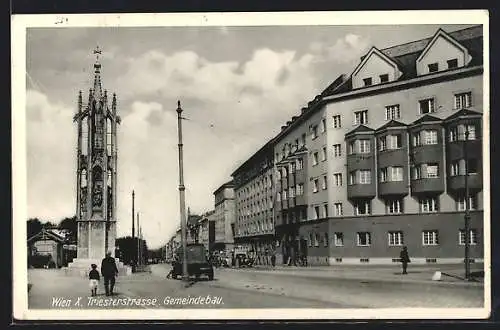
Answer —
(299, 288)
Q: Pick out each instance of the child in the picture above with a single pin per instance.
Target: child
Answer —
(94, 280)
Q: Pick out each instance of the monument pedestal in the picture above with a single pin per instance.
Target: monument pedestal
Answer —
(81, 267)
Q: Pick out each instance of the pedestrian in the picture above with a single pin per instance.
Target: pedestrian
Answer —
(273, 258)
(109, 272)
(93, 280)
(405, 259)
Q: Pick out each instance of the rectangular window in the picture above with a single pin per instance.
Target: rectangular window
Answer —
(384, 78)
(361, 117)
(339, 239)
(337, 123)
(382, 143)
(364, 146)
(316, 240)
(325, 182)
(394, 141)
(300, 164)
(338, 209)
(453, 63)
(325, 210)
(285, 195)
(430, 237)
(472, 166)
(430, 137)
(315, 159)
(426, 106)
(455, 168)
(472, 237)
(397, 173)
(323, 154)
(337, 150)
(323, 125)
(383, 175)
(303, 140)
(364, 239)
(461, 202)
(453, 134)
(433, 67)
(367, 81)
(300, 189)
(394, 206)
(362, 207)
(292, 192)
(432, 170)
(428, 204)
(463, 100)
(471, 130)
(337, 178)
(352, 147)
(396, 238)
(315, 185)
(352, 178)
(417, 141)
(316, 212)
(314, 132)
(325, 240)
(365, 177)
(392, 112)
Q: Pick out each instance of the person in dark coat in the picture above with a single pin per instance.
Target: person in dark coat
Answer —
(109, 271)
(405, 259)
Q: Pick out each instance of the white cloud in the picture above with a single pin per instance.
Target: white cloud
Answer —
(346, 49)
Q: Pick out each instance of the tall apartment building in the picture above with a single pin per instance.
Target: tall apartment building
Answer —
(254, 193)
(378, 160)
(224, 216)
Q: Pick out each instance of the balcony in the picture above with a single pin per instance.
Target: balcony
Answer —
(393, 188)
(360, 161)
(361, 191)
(284, 204)
(457, 183)
(427, 185)
(456, 149)
(300, 200)
(291, 202)
(291, 180)
(300, 176)
(431, 153)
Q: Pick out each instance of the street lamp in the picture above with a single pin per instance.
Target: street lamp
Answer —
(182, 189)
(467, 214)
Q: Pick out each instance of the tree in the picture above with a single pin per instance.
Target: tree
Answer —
(70, 225)
(34, 226)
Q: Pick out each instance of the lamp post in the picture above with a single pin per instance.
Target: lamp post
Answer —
(182, 196)
(467, 215)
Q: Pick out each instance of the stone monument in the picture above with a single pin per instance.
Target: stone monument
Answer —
(96, 176)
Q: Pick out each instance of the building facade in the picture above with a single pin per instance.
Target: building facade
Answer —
(207, 229)
(381, 159)
(224, 217)
(255, 194)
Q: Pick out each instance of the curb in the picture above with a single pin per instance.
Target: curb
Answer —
(382, 280)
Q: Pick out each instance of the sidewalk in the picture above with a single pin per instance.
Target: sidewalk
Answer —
(418, 274)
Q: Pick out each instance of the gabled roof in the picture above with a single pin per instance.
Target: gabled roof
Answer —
(391, 124)
(375, 50)
(441, 33)
(360, 129)
(46, 234)
(463, 113)
(426, 119)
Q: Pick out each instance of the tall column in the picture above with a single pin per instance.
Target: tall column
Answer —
(78, 158)
(114, 150)
(106, 170)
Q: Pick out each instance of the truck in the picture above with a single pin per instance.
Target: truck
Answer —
(197, 262)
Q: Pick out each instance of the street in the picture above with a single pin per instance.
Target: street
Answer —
(260, 288)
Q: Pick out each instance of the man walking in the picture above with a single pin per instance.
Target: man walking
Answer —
(405, 259)
(109, 271)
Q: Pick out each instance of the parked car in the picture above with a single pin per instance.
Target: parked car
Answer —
(197, 262)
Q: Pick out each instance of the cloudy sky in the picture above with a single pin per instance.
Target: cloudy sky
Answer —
(237, 86)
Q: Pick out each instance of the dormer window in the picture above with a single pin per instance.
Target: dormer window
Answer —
(433, 67)
(452, 63)
(384, 78)
(367, 81)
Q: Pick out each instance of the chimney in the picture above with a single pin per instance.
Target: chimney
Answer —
(283, 127)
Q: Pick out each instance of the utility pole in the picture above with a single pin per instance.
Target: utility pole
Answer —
(467, 207)
(133, 227)
(138, 241)
(182, 189)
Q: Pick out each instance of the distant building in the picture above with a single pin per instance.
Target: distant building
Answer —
(224, 216)
(255, 194)
(207, 229)
(47, 244)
